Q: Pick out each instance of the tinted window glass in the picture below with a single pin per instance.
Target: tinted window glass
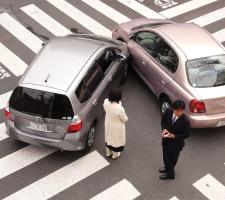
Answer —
(148, 41)
(106, 60)
(90, 82)
(41, 103)
(206, 72)
(167, 57)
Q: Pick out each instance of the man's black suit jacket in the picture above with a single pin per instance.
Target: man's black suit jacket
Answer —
(180, 128)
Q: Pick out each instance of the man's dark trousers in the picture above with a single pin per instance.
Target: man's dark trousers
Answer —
(173, 146)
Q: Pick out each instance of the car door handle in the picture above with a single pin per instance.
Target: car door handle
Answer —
(143, 62)
(164, 82)
(95, 102)
(110, 78)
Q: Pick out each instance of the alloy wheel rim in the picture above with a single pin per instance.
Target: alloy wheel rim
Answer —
(165, 105)
(91, 136)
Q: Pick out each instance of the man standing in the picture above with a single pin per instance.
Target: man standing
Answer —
(175, 128)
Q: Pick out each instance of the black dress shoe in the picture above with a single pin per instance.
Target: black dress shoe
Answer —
(165, 177)
(162, 170)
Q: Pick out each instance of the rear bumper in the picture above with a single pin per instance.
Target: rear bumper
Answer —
(207, 121)
(71, 142)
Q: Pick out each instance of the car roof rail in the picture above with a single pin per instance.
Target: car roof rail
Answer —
(150, 25)
(96, 37)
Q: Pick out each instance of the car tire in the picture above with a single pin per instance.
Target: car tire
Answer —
(90, 138)
(165, 104)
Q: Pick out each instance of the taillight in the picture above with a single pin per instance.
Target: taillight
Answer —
(75, 127)
(197, 106)
(8, 115)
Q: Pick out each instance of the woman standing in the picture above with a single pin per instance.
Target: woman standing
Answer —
(115, 119)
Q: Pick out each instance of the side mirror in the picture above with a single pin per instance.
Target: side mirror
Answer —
(43, 44)
(121, 57)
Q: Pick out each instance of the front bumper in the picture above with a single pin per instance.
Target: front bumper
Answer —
(71, 142)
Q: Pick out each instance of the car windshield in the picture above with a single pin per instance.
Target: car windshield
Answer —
(41, 103)
(206, 72)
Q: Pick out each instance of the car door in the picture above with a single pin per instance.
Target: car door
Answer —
(142, 47)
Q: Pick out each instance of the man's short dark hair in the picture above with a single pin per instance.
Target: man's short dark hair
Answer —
(115, 95)
(178, 105)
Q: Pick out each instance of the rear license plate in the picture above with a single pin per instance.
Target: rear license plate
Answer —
(38, 127)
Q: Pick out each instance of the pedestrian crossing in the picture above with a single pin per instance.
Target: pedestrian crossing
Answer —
(81, 169)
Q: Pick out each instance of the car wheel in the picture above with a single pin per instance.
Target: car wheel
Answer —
(90, 138)
(165, 104)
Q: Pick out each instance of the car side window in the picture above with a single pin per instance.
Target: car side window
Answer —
(167, 57)
(148, 41)
(89, 83)
(106, 60)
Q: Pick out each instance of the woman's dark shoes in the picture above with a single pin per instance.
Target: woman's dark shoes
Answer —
(165, 177)
(162, 170)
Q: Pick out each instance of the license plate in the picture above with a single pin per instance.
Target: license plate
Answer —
(38, 127)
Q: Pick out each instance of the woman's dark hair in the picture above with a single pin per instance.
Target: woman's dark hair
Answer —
(115, 95)
(178, 105)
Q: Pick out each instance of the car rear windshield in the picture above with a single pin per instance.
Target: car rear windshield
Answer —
(41, 103)
(206, 72)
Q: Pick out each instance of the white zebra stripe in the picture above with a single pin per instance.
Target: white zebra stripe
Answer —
(45, 20)
(123, 190)
(80, 17)
(4, 98)
(12, 61)
(107, 11)
(61, 179)
(185, 7)
(20, 32)
(220, 35)
(3, 135)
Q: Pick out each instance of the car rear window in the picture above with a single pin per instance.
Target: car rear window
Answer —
(206, 72)
(41, 103)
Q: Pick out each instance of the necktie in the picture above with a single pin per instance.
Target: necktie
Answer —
(173, 119)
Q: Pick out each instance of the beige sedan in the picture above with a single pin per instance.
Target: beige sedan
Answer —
(179, 61)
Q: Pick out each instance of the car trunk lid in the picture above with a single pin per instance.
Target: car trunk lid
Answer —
(41, 113)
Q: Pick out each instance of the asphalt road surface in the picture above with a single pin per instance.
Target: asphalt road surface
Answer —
(28, 172)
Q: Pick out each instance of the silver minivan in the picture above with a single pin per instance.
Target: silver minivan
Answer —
(59, 98)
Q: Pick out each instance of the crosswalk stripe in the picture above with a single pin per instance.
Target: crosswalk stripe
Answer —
(62, 178)
(174, 198)
(20, 32)
(185, 7)
(209, 17)
(123, 190)
(12, 61)
(22, 158)
(107, 11)
(3, 135)
(80, 17)
(4, 98)
(220, 35)
(141, 9)
(45, 20)
(210, 187)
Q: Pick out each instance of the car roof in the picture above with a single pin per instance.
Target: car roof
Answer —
(193, 40)
(60, 62)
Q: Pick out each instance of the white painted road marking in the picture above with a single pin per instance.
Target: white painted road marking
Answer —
(62, 179)
(20, 32)
(185, 7)
(210, 187)
(45, 20)
(3, 134)
(4, 98)
(141, 9)
(123, 190)
(12, 61)
(209, 18)
(80, 17)
(220, 35)
(107, 11)
(174, 198)
(22, 158)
